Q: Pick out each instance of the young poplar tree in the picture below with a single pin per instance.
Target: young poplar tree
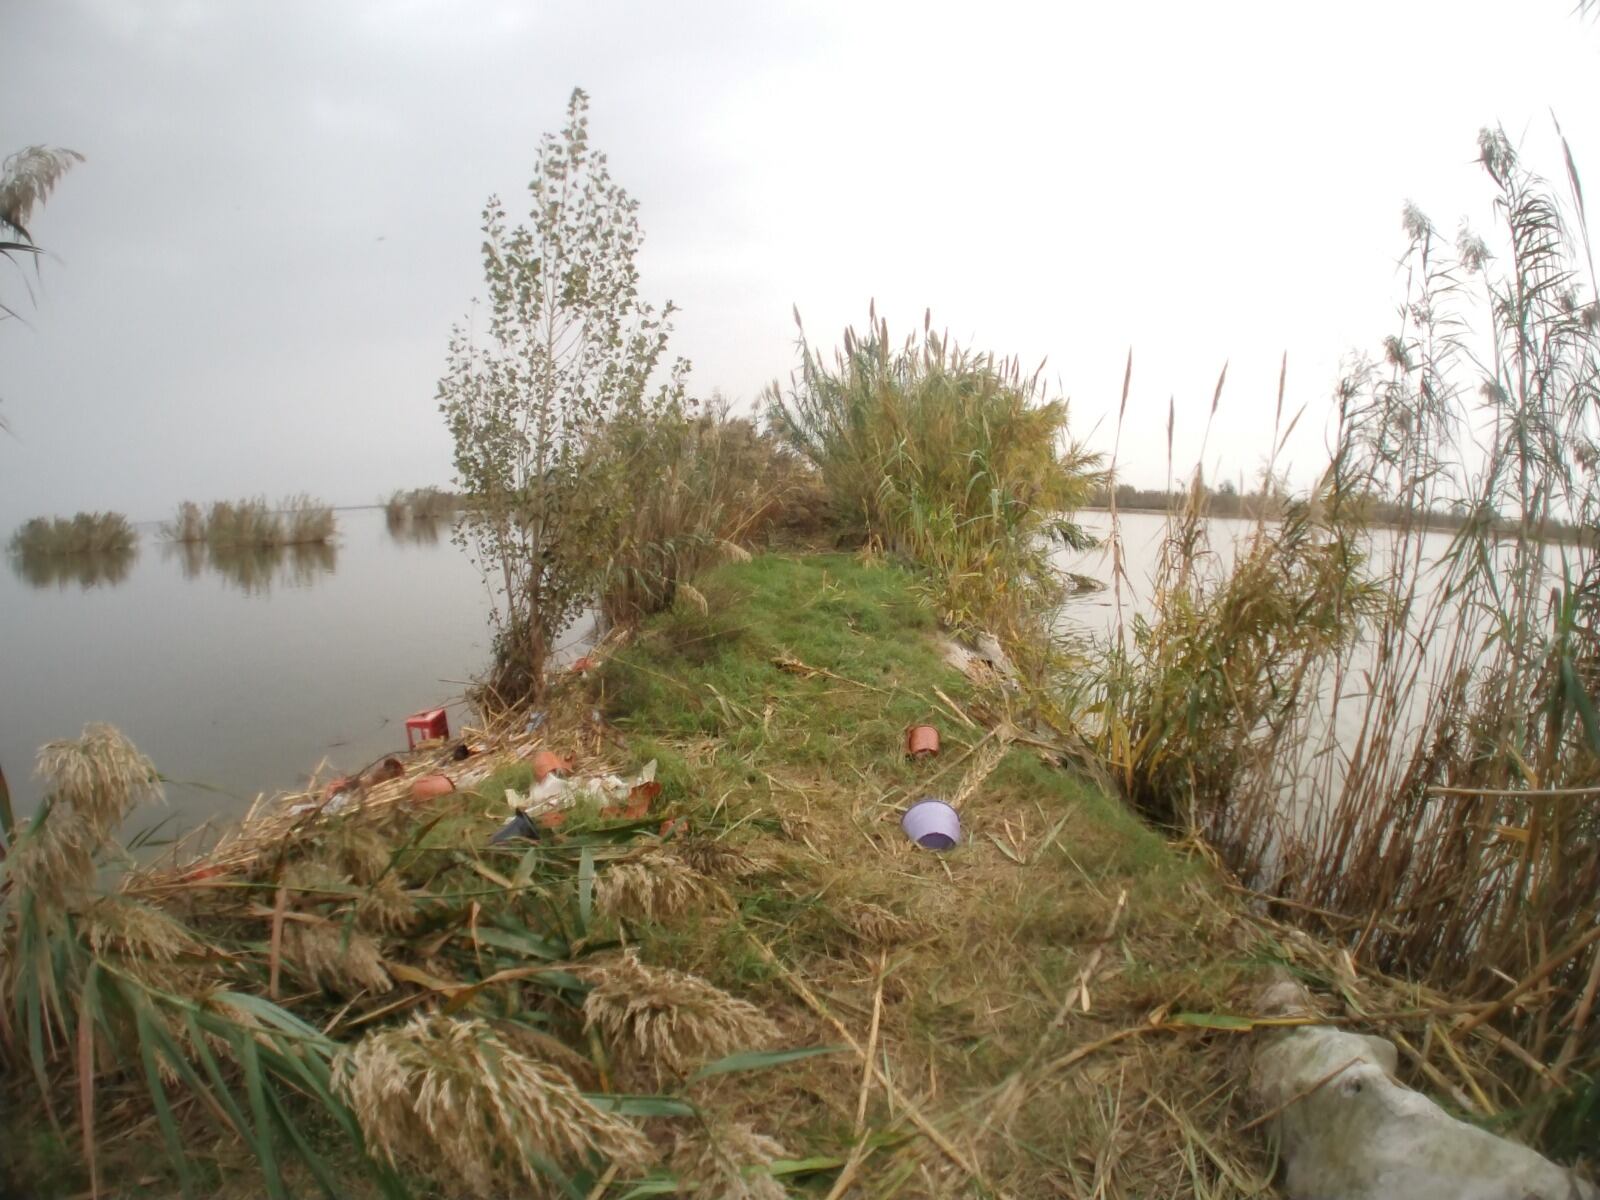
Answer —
(569, 351)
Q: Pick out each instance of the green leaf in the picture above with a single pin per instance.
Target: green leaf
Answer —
(1210, 1021)
(780, 1167)
(1581, 702)
(158, 1098)
(761, 1060)
(8, 820)
(250, 1064)
(585, 890)
(651, 1187)
(529, 945)
(640, 1106)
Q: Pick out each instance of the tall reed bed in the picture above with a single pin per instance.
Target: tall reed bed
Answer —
(960, 461)
(1396, 727)
(234, 525)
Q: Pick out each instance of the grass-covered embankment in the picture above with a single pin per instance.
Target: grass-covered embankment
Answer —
(993, 967)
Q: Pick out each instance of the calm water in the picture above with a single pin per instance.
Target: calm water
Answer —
(240, 677)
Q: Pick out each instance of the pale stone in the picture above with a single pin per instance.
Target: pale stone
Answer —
(1362, 1135)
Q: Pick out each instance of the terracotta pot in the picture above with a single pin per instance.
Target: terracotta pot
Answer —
(922, 741)
(547, 763)
(429, 787)
(345, 783)
(389, 768)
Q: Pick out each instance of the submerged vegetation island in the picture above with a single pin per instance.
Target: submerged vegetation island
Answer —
(252, 524)
(659, 930)
(88, 549)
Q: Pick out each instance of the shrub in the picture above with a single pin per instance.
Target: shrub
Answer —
(956, 460)
(670, 496)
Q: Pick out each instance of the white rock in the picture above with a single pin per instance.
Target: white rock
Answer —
(1362, 1135)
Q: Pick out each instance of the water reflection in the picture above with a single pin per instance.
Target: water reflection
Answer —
(415, 530)
(88, 569)
(255, 569)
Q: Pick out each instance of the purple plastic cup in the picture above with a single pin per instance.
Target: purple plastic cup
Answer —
(932, 824)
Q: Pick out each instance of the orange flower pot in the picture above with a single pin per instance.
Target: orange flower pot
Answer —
(345, 783)
(547, 763)
(430, 787)
(922, 741)
(389, 768)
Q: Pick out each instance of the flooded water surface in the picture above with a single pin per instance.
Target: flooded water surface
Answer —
(239, 675)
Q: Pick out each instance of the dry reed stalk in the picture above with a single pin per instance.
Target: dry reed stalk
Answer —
(341, 959)
(668, 1019)
(729, 1161)
(714, 857)
(872, 1046)
(871, 924)
(653, 886)
(986, 759)
(91, 784)
(450, 1099)
(134, 930)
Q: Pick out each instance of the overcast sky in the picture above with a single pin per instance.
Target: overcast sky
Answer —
(257, 267)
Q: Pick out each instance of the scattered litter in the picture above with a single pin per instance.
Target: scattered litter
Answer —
(547, 763)
(932, 824)
(922, 741)
(427, 787)
(616, 797)
(534, 722)
(521, 826)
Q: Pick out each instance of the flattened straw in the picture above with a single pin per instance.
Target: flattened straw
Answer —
(1080, 987)
(858, 1155)
(872, 1043)
(928, 1129)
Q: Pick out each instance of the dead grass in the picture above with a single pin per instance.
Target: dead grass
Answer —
(663, 1018)
(452, 1100)
(654, 886)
